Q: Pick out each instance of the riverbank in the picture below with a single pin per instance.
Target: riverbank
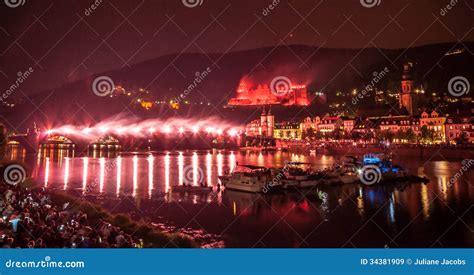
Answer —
(151, 237)
(434, 153)
(35, 217)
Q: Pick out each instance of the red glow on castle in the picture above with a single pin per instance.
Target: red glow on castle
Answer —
(249, 94)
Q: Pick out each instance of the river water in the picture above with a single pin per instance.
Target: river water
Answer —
(437, 214)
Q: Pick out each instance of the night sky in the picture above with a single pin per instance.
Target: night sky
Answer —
(63, 41)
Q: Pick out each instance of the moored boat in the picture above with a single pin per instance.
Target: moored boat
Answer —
(388, 171)
(295, 176)
(248, 178)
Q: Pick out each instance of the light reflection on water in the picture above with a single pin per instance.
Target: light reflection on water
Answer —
(118, 176)
(133, 174)
(127, 175)
(411, 215)
(85, 169)
(66, 173)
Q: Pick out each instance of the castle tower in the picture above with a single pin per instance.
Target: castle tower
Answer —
(407, 96)
(270, 122)
(263, 124)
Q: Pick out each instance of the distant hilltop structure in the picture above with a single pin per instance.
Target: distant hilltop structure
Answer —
(247, 95)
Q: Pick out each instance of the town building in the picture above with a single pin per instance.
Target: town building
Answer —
(415, 125)
(458, 128)
(395, 123)
(330, 124)
(253, 128)
(364, 126)
(430, 127)
(287, 130)
(348, 124)
(436, 123)
(310, 123)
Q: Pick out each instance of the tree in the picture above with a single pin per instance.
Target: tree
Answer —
(410, 136)
(407, 135)
(356, 135)
(308, 133)
(368, 136)
(337, 134)
(427, 135)
(463, 138)
(318, 135)
(385, 135)
(400, 135)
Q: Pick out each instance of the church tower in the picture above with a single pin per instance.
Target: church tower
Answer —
(270, 122)
(263, 123)
(407, 96)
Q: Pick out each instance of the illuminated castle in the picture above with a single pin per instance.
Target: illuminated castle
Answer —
(262, 95)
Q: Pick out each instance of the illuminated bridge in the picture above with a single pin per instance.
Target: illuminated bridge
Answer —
(48, 141)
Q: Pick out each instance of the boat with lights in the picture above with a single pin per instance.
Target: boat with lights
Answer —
(298, 175)
(352, 170)
(249, 178)
(389, 172)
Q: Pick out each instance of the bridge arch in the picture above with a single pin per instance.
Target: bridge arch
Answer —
(28, 142)
(57, 140)
(56, 146)
(106, 142)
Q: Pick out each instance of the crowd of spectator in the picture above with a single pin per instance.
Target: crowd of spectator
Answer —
(29, 219)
